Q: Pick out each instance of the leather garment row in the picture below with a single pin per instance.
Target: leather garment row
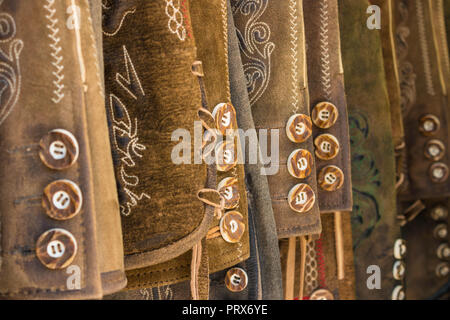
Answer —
(224, 149)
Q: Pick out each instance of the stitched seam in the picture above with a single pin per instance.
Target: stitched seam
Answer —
(424, 48)
(94, 53)
(225, 45)
(56, 51)
(294, 53)
(324, 50)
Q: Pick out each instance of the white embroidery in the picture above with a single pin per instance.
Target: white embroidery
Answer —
(10, 74)
(324, 50)
(175, 23)
(109, 13)
(56, 51)
(293, 22)
(424, 48)
(131, 77)
(255, 45)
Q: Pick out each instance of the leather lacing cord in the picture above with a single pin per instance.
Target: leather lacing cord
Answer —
(402, 168)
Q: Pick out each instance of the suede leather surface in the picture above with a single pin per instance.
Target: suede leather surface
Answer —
(374, 225)
(150, 92)
(277, 87)
(57, 84)
(326, 83)
(421, 77)
(210, 27)
(267, 254)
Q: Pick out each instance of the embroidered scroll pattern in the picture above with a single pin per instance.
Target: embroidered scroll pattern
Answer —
(58, 93)
(324, 50)
(10, 73)
(176, 19)
(125, 134)
(406, 69)
(114, 14)
(255, 45)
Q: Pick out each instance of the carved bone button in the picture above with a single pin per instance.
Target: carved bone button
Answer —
(236, 280)
(399, 249)
(440, 232)
(300, 163)
(398, 293)
(56, 248)
(443, 251)
(232, 226)
(59, 149)
(327, 146)
(324, 115)
(398, 271)
(330, 178)
(229, 190)
(434, 150)
(299, 128)
(439, 213)
(438, 172)
(301, 198)
(321, 294)
(226, 155)
(442, 270)
(62, 200)
(225, 117)
(429, 124)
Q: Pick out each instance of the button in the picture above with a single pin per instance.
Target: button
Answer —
(325, 115)
(225, 117)
(59, 149)
(438, 172)
(442, 270)
(398, 293)
(429, 124)
(434, 150)
(398, 271)
(327, 146)
(440, 231)
(236, 280)
(232, 226)
(399, 249)
(443, 251)
(226, 155)
(229, 190)
(62, 200)
(56, 248)
(300, 163)
(330, 178)
(299, 128)
(321, 294)
(439, 213)
(301, 198)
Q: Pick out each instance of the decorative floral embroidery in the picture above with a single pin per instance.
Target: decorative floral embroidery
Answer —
(125, 134)
(10, 76)
(255, 45)
(114, 15)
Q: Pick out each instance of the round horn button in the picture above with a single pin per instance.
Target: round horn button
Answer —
(232, 226)
(59, 149)
(56, 248)
(225, 117)
(322, 294)
(324, 115)
(299, 128)
(229, 190)
(300, 163)
(301, 198)
(327, 146)
(62, 200)
(226, 156)
(236, 280)
(330, 178)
